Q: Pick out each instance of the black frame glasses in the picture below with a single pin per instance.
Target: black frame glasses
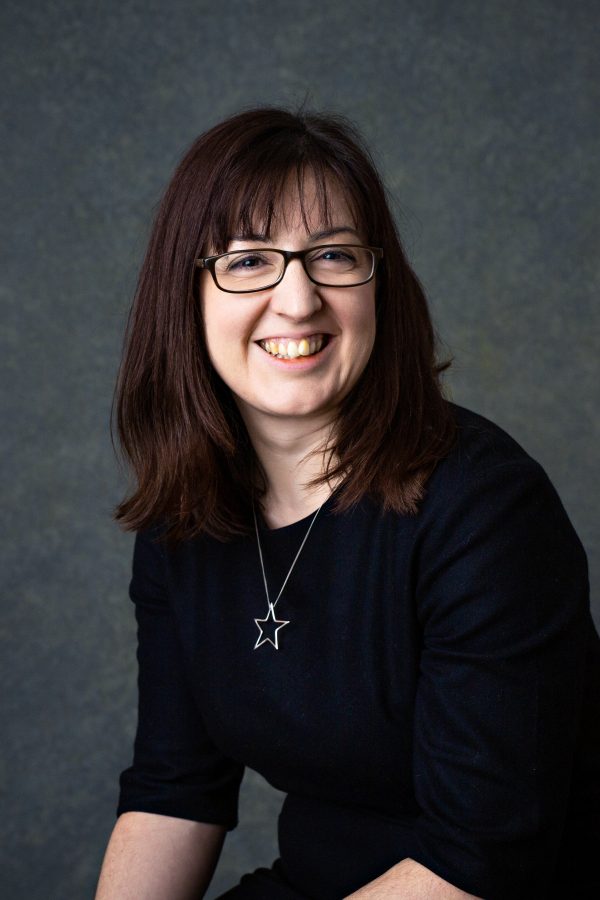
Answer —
(209, 263)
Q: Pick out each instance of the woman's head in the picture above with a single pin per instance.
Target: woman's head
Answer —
(268, 177)
(292, 349)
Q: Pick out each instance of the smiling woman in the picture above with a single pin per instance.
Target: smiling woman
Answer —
(293, 349)
(368, 594)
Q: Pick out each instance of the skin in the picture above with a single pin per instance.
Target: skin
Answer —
(411, 881)
(289, 407)
(153, 857)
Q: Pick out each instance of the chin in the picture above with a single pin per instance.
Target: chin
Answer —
(289, 408)
(294, 411)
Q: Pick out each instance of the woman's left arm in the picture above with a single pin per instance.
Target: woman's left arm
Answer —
(411, 881)
(503, 602)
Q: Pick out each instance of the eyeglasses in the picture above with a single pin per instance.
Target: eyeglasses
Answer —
(328, 265)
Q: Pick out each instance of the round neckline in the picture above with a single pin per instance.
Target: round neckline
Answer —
(291, 526)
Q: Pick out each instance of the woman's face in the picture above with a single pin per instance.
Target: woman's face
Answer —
(310, 387)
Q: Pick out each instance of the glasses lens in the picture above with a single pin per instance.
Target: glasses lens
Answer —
(248, 270)
(340, 264)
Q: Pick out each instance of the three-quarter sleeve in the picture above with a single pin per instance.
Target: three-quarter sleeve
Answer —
(176, 770)
(504, 611)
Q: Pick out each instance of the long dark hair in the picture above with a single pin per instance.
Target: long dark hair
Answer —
(178, 425)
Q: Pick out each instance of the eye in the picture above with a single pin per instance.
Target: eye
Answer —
(245, 262)
(335, 256)
(334, 253)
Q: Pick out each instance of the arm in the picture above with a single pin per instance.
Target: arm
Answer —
(150, 857)
(503, 600)
(179, 796)
(501, 591)
(411, 881)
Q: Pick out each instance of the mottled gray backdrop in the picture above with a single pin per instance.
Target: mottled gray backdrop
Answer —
(484, 119)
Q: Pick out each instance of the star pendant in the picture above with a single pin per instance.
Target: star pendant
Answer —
(265, 626)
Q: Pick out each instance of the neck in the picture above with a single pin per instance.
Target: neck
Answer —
(286, 453)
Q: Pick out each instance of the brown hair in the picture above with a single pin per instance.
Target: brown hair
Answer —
(178, 425)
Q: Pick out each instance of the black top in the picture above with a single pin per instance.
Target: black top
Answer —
(435, 695)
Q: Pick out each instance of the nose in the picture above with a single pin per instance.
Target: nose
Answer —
(296, 297)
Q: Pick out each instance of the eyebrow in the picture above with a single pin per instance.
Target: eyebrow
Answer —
(315, 236)
(331, 232)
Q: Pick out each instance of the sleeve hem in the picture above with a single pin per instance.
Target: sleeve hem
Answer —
(207, 817)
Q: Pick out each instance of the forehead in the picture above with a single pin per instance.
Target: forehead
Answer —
(310, 208)
(300, 201)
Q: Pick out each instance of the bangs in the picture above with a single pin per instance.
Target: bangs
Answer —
(248, 204)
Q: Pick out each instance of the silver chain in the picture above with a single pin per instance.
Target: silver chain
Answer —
(262, 565)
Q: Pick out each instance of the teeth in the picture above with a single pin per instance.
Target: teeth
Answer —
(292, 349)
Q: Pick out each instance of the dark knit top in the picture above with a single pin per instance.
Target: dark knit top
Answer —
(435, 695)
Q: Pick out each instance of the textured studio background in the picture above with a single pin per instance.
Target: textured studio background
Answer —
(483, 117)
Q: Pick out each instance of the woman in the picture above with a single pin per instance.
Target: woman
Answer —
(364, 592)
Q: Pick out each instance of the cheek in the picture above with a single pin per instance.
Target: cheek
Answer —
(214, 329)
(363, 326)
(369, 326)
(216, 317)
(227, 334)
(366, 346)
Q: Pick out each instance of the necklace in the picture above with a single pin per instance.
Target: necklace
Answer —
(265, 626)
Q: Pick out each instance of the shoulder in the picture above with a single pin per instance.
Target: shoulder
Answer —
(488, 491)
(492, 527)
(481, 442)
(482, 451)
(486, 477)
(147, 570)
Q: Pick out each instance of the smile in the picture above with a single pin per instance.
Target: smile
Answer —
(292, 348)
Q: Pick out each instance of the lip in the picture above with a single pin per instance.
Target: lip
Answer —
(301, 363)
(293, 337)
